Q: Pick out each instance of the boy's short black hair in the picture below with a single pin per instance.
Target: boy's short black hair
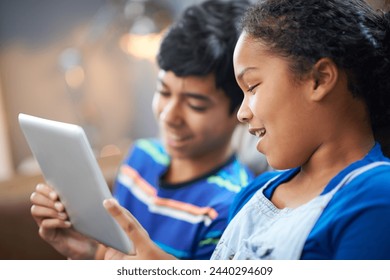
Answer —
(202, 41)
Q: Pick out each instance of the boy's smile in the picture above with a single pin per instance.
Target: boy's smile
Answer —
(193, 116)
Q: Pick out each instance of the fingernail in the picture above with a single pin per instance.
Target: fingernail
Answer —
(58, 206)
(62, 215)
(53, 195)
(109, 202)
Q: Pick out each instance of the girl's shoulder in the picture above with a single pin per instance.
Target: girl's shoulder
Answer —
(247, 192)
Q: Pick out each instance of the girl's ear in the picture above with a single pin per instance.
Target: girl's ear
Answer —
(325, 76)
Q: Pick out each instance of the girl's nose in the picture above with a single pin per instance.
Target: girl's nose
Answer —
(244, 113)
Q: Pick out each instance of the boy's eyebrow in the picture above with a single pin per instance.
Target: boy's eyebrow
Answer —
(194, 95)
(198, 96)
(160, 80)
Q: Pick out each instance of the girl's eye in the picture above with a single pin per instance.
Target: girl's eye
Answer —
(252, 88)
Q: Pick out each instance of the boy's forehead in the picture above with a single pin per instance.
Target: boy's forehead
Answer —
(204, 85)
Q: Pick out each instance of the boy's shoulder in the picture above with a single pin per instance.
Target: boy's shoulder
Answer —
(148, 148)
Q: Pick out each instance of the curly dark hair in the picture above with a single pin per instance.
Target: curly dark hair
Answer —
(349, 32)
(202, 41)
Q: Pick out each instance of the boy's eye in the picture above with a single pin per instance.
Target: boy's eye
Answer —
(163, 93)
(198, 103)
(197, 108)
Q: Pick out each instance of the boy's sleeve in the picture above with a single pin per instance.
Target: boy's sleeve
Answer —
(209, 238)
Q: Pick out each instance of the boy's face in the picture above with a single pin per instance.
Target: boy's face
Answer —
(193, 115)
(277, 108)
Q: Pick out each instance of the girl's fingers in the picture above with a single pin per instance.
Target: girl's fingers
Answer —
(45, 212)
(46, 191)
(55, 223)
(145, 248)
(37, 198)
(129, 224)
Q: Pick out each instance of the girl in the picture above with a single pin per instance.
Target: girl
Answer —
(315, 76)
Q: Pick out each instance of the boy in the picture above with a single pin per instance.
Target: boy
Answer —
(180, 187)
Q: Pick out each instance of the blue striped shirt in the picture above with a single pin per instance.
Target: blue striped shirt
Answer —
(186, 219)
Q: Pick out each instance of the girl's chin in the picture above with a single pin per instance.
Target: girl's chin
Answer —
(260, 146)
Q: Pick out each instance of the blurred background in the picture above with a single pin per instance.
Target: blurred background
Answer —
(88, 62)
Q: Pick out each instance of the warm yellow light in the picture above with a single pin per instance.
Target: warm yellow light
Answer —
(75, 76)
(141, 46)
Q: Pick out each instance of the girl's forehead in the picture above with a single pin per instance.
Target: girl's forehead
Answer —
(250, 43)
(250, 51)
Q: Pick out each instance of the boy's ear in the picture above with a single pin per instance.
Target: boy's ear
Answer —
(325, 75)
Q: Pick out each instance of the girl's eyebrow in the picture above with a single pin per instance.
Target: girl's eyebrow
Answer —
(244, 71)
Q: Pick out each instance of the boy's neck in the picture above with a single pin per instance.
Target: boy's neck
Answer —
(182, 170)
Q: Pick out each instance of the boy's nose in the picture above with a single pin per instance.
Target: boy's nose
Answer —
(172, 113)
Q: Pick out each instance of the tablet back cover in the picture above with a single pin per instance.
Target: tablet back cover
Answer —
(70, 167)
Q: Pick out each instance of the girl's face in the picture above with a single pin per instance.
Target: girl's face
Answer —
(276, 107)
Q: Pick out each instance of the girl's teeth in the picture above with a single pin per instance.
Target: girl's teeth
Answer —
(260, 133)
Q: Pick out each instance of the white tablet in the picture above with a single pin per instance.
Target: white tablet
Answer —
(70, 167)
